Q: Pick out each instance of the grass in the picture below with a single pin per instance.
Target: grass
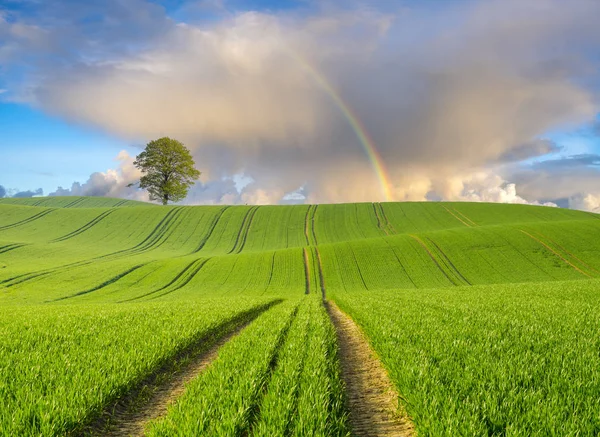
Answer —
(519, 360)
(60, 366)
(484, 314)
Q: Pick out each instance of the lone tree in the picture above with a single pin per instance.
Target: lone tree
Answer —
(168, 169)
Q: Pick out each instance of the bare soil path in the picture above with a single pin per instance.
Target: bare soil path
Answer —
(131, 415)
(372, 400)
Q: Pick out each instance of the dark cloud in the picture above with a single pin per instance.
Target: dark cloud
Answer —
(530, 150)
(29, 193)
(570, 163)
(2, 191)
(444, 97)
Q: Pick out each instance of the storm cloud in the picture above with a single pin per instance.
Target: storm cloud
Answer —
(447, 99)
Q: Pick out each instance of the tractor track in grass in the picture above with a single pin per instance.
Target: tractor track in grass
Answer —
(74, 202)
(320, 268)
(306, 222)
(458, 218)
(379, 220)
(150, 399)
(122, 202)
(556, 253)
(387, 221)
(240, 239)
(371, 397)
(9, 247)
(449, 263)
(179, 281)
(102, 285)
(30, 219)
(589, 267)
(463, 215)
(155, 239)
(211, 229)
(312, 225)
(306, 270)
(433, 258)
(85, 227)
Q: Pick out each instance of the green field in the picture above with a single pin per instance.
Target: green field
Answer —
(486, 316)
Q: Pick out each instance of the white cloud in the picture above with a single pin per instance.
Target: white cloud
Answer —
(110, 183)
(441, 98)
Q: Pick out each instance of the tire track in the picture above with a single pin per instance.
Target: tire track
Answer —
(241, 230)
(75, 202)
(271, 271)
(320, 269)
(379, 220)
(593, 269)
(149, 400)
(102, 285)
(463, 215)
(362, 278)
(34, 217)
(432, 256)
(247, 230)
(10, 247)
(458, 218)
(306, 226)
(85, 227)
(306, 270)
(556, 253)
(387, 221)
(122, 202)
(150, 242)
(191, 274)
(449, 263)
(371, 397)
(211, 229)
(187, 273)
(312, 225)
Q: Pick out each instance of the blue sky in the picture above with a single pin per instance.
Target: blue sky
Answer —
(447, 90)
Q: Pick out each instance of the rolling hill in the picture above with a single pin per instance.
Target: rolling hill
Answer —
(444, 292)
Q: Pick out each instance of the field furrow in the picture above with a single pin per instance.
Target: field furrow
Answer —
(372, 398)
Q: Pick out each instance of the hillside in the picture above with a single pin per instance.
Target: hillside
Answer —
(124, 318)
(78, 250)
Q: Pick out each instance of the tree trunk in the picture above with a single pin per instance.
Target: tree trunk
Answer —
(165, 199)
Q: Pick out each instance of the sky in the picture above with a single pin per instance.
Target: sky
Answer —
(305, 101)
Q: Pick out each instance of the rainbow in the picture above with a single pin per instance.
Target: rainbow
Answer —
(361, 132)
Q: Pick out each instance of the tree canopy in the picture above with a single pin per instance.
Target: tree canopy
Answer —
(168, 169)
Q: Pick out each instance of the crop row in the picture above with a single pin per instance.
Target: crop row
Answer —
(280, 376)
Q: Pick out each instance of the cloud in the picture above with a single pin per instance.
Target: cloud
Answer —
(531, 149)
(2, 191)
(588, 202)
(29, 193)
(569, 181)
(442, 96)
(111, 183)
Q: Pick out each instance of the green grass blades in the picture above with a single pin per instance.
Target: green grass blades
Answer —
(305, 394)
(278, 377)
(518, 360)
(61, 365)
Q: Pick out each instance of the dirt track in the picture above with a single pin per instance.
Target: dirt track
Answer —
(132, 423)
(372, 399)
